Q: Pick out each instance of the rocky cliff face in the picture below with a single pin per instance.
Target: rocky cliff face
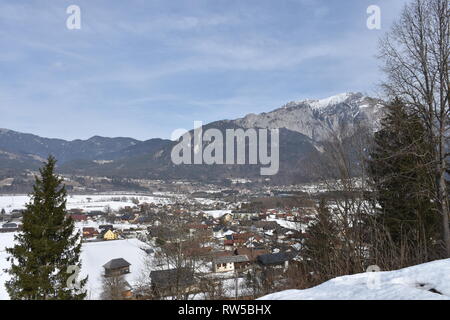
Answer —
(320, 119)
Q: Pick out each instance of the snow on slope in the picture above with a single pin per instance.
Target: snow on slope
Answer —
(319, 119)
(412, 283)
(85, 202)
(217, 213)
(333, 100)
(93, 256)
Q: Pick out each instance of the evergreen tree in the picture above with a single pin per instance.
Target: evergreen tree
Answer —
(46, 246)
(321, 246)
(401, 177)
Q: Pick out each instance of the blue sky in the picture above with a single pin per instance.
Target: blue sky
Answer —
(143, 68)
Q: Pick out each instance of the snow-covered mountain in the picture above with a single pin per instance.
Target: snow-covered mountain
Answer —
(304, 127)
(428, 281)
(319, 119)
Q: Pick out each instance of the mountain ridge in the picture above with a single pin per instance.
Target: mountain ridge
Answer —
(305, 124)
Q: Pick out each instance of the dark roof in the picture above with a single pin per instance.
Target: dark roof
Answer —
(275, 258)
(127, 216)
(10, 225)
(95, 213)
(116, 264)
(170, 277)
(230, 259)
(251, 253)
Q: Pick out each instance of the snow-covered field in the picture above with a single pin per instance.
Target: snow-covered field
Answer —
(289, 224)
(413, 283)
(93, 256)
(85, 202)
(217, 213)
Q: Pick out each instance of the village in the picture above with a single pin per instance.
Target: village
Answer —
(181, 246)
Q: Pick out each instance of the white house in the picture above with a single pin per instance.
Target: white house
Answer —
(226, 263)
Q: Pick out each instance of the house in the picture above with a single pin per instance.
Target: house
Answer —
(109, 235)
(221, 231)
(276, 260)
(9, 227)
(128, 216)
(76, 211)
(197, 228)
(245, 215)
(172, 281)
(239, 240)
(228, 243)
(228, 263)
(90, 232)
(78, 217)
(128, 292)
(116, 267)
(226, 218)
(251, 253)
(95, 213)
(17, 213)
(105, 227)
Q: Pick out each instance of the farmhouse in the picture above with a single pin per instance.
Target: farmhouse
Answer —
(116, 267)
(227, 263)
(276, 260)
(90, 232)
(110, 235)
(79, 217)
(9, 227)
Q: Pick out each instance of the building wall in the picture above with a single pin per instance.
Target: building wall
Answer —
(109, 235)
(223, 267)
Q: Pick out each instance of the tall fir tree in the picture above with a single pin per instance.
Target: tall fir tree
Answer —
(47, 249)
(401, 175)
(322, 245)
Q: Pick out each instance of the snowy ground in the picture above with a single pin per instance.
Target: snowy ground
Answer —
(93, 256)
(217, 213)
(6, 241)
(85, 202)
(411, 283)
(289, 224)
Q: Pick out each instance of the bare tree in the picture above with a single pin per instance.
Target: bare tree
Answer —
(114, 288)
(182, 256)
(416, 54)
(342, 170)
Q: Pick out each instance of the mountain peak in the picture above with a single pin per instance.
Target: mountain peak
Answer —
(318, 119)
(318, 104)
(336, 99)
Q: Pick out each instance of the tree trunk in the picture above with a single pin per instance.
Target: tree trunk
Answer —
(443, 195)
